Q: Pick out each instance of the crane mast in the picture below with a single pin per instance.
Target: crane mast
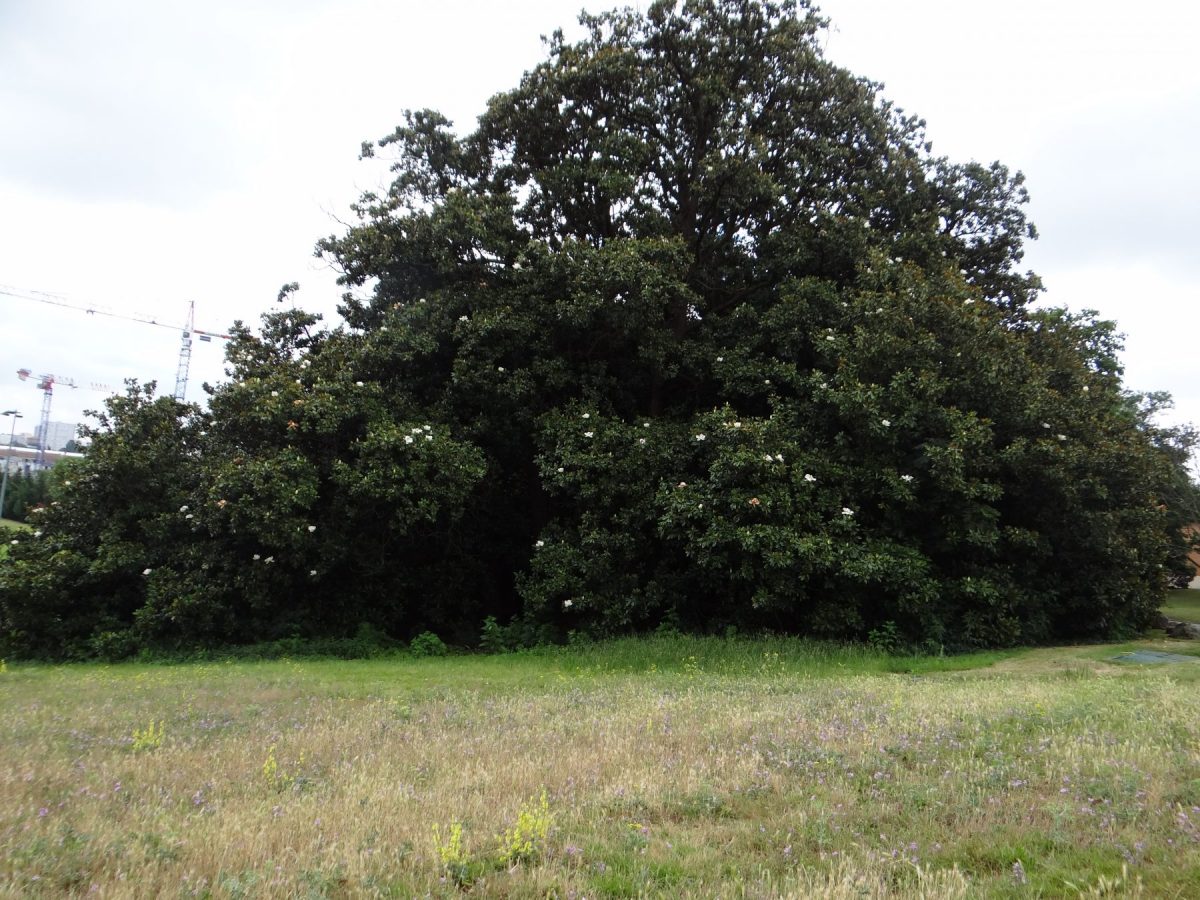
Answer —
(185, 354)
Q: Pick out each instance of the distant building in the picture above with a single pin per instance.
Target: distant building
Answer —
(23, 460)
(58, 434)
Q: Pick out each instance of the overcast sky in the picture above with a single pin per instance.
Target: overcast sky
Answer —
(155, 152)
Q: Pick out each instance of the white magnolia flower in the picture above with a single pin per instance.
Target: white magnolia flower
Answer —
(257, 556)
(499, 368)
(462, 319)
(560, 469)
(312, 528)
(312, 573)
(1062, 437)
(274, 393)
(906, 478)
(568, 603)
(183, 508)
(429, 437)
(768, 457)
(422, 300)
(700, 506)
(408, 439)
(645, 424)
(700, 437)
(14, 543)
(37, 534)
(1046, 425)
(824, 384)
(681, 484)
(642, 441)
(189, 516)
(587, 415)
(540, 544)
(67, 483)
(358, 384)
(383, 328)
(588, 434)
(886, 423)
(1085, 388)
(427, 428)
(809, 478)
(830, 337)
(737, 424)
(269, 560)
(720, 359)
(144, 571)
(204, 434)
(847, 511)
(968, 301)
(767, 381)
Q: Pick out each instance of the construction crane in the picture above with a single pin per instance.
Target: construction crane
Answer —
(185, 350)
(45, 384)
(185, 347)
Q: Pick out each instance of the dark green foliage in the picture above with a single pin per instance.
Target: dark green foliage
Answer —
(25, 493)
(692, 331)
(73, 586)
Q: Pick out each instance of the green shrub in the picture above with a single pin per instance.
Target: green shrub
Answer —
(427, 644)
(493, 637)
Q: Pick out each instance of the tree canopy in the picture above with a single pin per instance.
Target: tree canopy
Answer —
(693, 329)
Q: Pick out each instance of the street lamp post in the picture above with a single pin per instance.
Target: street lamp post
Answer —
(13, 433)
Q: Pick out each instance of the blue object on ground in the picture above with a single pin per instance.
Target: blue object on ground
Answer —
(1153, 657)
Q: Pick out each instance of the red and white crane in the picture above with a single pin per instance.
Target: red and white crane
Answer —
(45, 384)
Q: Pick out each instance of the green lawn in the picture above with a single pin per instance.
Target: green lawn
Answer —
(1183, 605)
(669, 766)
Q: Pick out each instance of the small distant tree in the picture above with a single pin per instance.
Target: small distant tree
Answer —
(1180, 493)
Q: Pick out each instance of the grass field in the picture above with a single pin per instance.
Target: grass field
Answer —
(668, 767)
(1183, 605)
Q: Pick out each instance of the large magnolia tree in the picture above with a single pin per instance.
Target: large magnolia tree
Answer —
(693, 328)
